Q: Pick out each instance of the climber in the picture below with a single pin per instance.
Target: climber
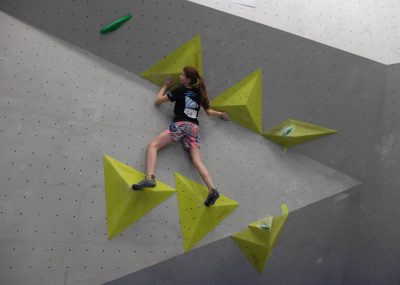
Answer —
(188, 97)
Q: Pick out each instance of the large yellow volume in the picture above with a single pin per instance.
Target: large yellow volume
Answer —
(259, 238)
(243, 102)
(124, 205)
(187, 54)
(196, 219)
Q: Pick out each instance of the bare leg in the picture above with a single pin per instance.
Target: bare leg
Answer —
(196, 160)
(157, 143)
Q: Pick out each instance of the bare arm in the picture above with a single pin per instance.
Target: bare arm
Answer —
(161, 96)
(214, 113)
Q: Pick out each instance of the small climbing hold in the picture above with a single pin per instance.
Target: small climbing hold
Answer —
(115, 25)
(264, 226)
(286, 131)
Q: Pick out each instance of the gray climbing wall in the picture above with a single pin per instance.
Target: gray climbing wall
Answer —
(301, 78)
(65, 107)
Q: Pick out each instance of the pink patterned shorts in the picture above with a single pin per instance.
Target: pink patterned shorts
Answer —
(188, 132)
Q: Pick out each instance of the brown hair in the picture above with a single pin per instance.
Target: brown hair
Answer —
(197, 81)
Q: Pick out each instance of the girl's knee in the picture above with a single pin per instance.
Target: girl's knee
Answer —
(152, 144)
(197, 162)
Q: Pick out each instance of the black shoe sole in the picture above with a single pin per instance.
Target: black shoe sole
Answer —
(212, 201)
(136, 189)
(141, 189)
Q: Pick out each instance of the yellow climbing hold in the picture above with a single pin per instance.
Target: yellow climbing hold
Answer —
(243, 102)
(125, 206)
(259, 238)
(300, 132)
(187, 54)
(196, 219)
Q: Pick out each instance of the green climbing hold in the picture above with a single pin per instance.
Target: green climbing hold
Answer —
(115, 25)
(286, 131)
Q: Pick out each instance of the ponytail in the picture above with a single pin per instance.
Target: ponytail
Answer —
(203, 92)
(198, 81)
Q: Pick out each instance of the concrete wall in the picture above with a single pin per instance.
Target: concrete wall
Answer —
(65, 107)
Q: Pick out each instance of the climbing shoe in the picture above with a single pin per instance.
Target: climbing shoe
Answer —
(145, 183)
(211, 198)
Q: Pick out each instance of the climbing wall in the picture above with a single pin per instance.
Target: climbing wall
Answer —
(63, 110)
(73, 95)
(302, 79)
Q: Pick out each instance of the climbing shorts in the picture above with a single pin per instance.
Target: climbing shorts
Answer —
(186, 131)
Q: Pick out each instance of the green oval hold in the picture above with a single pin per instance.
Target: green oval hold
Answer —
(115, 25)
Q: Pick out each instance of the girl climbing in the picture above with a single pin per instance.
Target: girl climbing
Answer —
(188, 97)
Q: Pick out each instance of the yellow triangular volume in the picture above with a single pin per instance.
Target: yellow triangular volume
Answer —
(277, 224)
(259, 238)
(257, 254)
(243, 102)
(187, 54)
(124, 205)
(196, 219)
(292, 132)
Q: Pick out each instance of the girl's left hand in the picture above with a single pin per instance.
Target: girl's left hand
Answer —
(224, 116)
(168, 80)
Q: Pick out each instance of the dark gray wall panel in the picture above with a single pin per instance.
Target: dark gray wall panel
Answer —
(386, 147)
(375, 254)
